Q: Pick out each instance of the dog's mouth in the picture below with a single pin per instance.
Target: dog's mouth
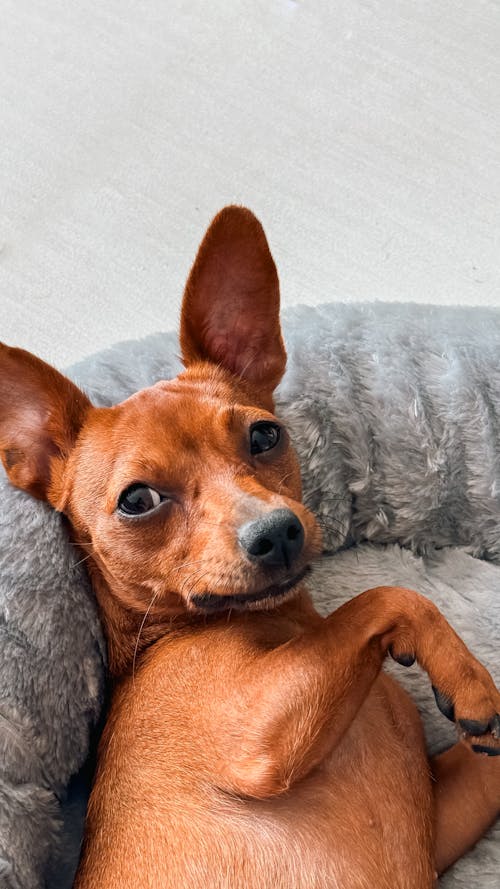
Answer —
(273, 595)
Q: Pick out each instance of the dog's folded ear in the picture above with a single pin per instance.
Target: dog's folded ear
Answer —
(230, 312)
(41, 413)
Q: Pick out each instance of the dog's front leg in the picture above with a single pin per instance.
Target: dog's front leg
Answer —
(295, 702)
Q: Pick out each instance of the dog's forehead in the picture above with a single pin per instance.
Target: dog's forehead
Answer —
(205, 387)
(171, 420)
(172, 410)
(178, 404)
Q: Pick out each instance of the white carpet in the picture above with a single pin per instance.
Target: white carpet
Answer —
(365, 134)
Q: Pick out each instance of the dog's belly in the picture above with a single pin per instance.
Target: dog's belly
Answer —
(361, 819)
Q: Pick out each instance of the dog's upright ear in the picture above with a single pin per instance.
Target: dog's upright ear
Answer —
(41, 413)
(230, 311)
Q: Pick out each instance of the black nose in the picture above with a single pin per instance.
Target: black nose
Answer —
(276, 539)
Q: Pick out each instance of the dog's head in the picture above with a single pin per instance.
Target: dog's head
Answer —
(186, 497)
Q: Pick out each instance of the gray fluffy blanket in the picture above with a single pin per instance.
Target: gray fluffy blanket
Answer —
(395, 411)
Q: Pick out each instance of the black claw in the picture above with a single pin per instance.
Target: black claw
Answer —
(490, 751)
(473, 726)
(406, 660)
(495, 726)
(445, 704)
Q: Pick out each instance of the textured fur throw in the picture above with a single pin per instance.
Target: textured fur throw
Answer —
(395, 411)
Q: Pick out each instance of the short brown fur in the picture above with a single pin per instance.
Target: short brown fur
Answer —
(258, 745)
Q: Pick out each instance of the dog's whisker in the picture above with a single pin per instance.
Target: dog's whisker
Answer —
(150, 606)
(186, 565)
(88, 548)
(333, 529)
(81, 561)
(219, 524)
(330, 498)
(199, 574)
(155, 596)
(283, 480)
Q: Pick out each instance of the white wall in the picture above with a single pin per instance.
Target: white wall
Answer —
(365, 134)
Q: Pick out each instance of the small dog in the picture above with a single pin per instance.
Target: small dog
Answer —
(251, 743)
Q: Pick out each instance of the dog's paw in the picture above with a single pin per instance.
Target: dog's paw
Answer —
(463, 688)
(473, 704)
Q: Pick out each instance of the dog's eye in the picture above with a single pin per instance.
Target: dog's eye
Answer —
(264, 436)
(138, 499)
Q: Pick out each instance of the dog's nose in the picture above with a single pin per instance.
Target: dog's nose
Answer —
(275, 540)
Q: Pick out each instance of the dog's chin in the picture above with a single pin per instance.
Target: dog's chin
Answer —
(264, 599)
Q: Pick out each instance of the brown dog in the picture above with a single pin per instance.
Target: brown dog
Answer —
(251, 744)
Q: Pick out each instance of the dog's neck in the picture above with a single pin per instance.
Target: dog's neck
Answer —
(130, 630)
